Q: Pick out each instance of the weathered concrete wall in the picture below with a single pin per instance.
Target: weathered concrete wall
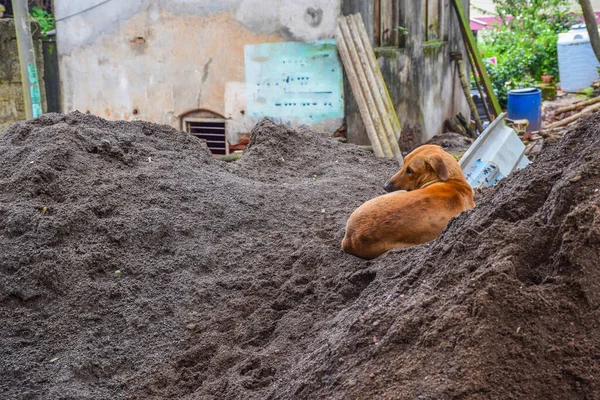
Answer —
(12, 106)
(159, 60)
(421, 78)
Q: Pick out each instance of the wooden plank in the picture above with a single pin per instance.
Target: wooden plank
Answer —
(433, 19)
(388, 30)
(377, 23)
(389, 104)
(357, 90)
(383, 101)
(464, 83)
(477, 80)
(372, 112)
(465, 29)
(375, 105)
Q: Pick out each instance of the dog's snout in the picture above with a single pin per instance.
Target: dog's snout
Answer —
(388, 187)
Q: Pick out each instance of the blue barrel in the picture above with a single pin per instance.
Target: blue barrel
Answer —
(526, 104)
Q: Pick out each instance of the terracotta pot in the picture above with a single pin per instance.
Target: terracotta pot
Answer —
(547, 78)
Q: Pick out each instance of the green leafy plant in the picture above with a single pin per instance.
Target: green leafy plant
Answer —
(588, 91)
(402, 31)
(44, 18)
(525, 44)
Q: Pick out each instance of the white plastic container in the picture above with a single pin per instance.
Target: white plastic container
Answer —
(577, 64)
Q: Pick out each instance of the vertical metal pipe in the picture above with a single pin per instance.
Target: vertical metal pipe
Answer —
(29, 75)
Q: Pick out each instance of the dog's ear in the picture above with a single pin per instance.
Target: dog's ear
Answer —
(437, 164)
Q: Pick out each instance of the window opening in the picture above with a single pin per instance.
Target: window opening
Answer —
(210, 130)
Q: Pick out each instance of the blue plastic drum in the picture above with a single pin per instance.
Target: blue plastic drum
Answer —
(526, 104)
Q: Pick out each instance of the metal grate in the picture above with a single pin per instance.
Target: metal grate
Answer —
(212, 131)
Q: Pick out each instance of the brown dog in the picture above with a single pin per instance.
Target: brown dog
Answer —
(436, 190)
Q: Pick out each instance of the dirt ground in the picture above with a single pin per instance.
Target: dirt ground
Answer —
(452, 142)
(133, 265)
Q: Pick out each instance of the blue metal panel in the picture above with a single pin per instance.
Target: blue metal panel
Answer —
(483, 174)
(294, 80)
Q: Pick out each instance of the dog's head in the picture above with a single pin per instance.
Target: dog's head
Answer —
(425, 165)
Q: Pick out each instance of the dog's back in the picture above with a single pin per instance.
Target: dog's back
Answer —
(400, 219)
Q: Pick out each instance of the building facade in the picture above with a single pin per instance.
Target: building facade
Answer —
(204, 65)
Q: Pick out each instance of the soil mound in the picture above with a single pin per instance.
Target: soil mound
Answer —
(451, 142)
(134, 265)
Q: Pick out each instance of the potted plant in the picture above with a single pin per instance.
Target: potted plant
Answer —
(547, 78)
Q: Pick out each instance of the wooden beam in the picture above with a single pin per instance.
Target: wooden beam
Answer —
(573, 117)
(471, 44)
(375, 133)
(377, 24)
(368, 87)
(477, 80)
(388, 104)
(376, 84)
(577, 105)
(388, 30)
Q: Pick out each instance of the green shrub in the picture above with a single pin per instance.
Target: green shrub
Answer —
(525, 46)
(44, 18)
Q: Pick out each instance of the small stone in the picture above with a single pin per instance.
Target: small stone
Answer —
(191, 326)
(575, 179)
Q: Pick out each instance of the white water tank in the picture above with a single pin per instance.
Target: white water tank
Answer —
(577, 64)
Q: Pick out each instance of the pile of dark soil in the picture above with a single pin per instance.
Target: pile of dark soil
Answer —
(453, 143)
(134, 265)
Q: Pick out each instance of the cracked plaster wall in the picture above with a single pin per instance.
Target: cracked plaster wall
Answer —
(158, 59)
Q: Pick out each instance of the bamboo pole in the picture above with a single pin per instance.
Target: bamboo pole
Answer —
(387, 99)
(357, 90)
(29, 74)
(574, 117)
(374, 85)
(477, 83)
(465, 87)
(577, 105)
(361, 70)
(465, 29)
